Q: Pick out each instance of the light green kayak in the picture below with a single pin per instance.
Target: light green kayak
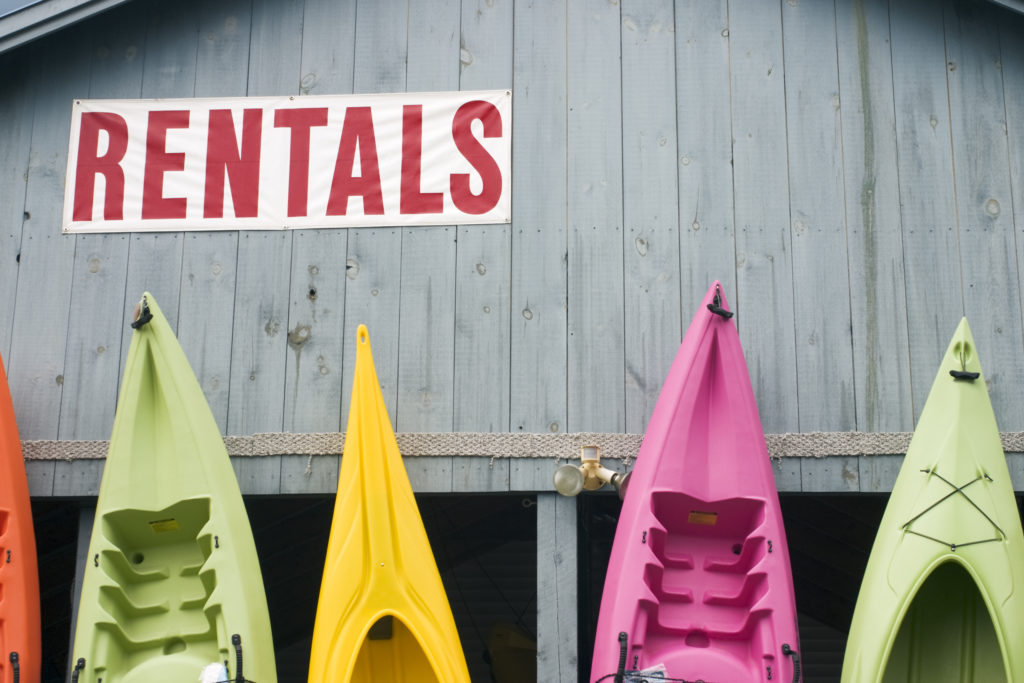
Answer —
(943, 594)
(172, 583)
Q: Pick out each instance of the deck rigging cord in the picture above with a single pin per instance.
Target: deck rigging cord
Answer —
(956, 490)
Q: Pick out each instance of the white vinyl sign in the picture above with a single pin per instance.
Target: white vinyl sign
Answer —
(272, 163)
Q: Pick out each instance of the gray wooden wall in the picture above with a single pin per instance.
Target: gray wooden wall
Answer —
(853, 171)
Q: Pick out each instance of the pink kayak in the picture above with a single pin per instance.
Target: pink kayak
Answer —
(699, 586)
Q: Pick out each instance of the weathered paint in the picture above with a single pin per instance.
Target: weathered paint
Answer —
(656, 145)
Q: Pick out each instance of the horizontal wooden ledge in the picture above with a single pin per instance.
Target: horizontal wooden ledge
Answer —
(621, 447)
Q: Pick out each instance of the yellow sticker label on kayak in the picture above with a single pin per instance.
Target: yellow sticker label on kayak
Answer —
(703, 518)
(162, 525)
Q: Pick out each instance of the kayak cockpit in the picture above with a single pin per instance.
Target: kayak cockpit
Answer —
(392, 652)
(706, 584)
(155, 590)
(947, 633)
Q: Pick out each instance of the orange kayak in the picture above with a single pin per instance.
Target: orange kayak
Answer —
(19, 576)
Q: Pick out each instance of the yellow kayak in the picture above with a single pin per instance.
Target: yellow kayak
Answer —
(383, 615)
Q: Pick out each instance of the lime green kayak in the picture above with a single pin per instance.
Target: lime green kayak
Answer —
(172, 585)
(943, 594)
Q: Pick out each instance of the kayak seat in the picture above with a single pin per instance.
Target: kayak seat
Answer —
(667, 583)
(705, 552)
(174, 668)
(153, 591)
(753, 589)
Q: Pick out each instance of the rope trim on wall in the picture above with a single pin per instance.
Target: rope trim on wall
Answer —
(622, 447)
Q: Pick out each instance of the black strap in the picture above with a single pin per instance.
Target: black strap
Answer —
(963, 374)
(79, 665)
(144, 315)
(790, 652)
(236, 640)
(620, 674)
(14, 666)
(716, 304)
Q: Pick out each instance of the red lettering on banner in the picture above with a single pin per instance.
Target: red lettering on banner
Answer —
(160, 161)
(300, 121)
(477, 155)
(242, 167)
(90, 164)
(414, 201)
(357, 131)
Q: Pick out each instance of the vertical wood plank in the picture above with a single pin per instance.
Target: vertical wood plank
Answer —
(650, 203)
(788, 474)
(275, 47)
(539, 200)
(474, 475)
(707, 235)
(92, 362)
(96, 321)
(40, 478)
(483, 253)
(596, 372)
(1015, 463)
(328, 46)
(482, 375)
(429, 474)
(830, 474)
(426, 349)
(15, 147)
(372, 299)
(259, 476)
(878, 472)
(426, 359)
(260, 334)
(878, 299)
(1011, 27)
(531, 474)
(557, 618)
(309, 475)
(207, 300)
(77, 478)
(209, 260)
(36, 363)
(313, 394)
(984, 203)
(930, 251)
(259, 343)
(222, 54)
(154, 259)
(764, 296)
(821, 286)
(312, 401)
(372, 295)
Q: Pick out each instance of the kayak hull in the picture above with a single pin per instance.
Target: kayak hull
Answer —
(699, 579)
(172, 575)
(941, 597)
(19, 575)
(382, 614)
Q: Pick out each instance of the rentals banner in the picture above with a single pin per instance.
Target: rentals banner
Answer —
(272, 163)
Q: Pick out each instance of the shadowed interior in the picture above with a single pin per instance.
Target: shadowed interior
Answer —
(391, 652)
(947, 634)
